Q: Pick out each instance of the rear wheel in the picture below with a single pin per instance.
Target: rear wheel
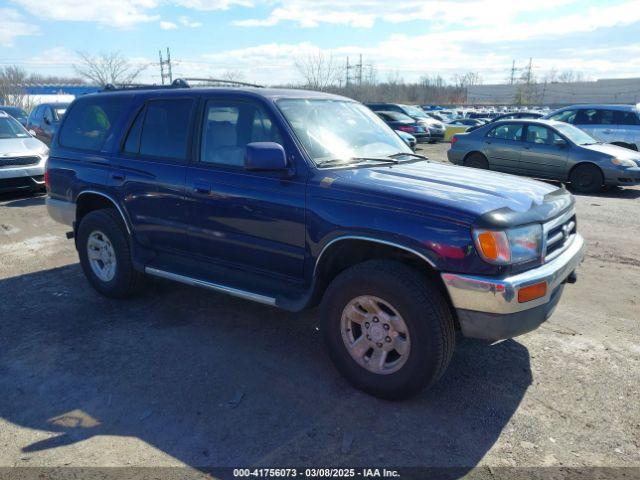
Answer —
(586, 178)
(476, 160)
(389, 331)
(105, 256)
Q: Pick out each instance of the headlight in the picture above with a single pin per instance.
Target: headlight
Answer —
(623, 162)
(504, 247)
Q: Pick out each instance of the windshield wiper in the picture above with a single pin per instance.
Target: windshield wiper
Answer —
(352, 160)
(405, 154)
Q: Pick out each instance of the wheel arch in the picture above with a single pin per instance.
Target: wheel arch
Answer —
(346, 251)
(472, 152)
(90, 200)
(586, 162)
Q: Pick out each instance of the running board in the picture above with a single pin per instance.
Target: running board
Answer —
(255, 297)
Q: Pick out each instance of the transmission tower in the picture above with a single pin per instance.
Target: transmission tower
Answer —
(165, 74)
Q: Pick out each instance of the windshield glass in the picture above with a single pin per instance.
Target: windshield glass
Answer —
(338, 129)
(15, 112)
(58, 113)
(10, 128)
(415, 111)
(575, 134)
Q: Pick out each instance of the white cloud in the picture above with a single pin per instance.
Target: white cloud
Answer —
(118, 13)
(168, 25)
(364, 13)
(14, 25)
(212, 4)
(187, 22)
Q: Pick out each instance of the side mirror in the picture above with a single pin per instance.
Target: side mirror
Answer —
(32, 133)
(265, 157)
(560, 142)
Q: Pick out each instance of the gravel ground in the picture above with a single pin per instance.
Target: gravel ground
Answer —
(185, 377)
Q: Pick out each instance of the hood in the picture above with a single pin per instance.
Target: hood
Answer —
(21, 146)
(614, 150)
(470, 192)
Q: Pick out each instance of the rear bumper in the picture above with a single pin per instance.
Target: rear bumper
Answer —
(61, 211)
(488, 307)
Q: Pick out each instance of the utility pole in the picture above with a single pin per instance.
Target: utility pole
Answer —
(347, 72)
(529, 71)
(168, 75)
(513, 71)
(360, 71)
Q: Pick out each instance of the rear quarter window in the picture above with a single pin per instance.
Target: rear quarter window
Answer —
(89, 122)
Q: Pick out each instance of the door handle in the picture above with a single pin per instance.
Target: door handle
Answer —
(118, 176)
(202, 188)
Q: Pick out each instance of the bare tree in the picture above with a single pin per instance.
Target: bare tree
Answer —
(107, 68)
(568, 76)
(13, 83)
(233, 76)
(319, 71)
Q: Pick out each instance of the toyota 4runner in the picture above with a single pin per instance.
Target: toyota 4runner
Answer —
(292, 199)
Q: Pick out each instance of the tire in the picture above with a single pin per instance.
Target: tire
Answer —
(105, 228)
(476, 160)
(586, 178)
(402, 296)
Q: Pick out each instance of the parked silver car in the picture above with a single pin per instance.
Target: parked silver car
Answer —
(22, 157)
(615, 124)
(546, 149)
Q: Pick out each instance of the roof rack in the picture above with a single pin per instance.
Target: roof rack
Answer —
(110, 87)
(218, 82)
(178, 83)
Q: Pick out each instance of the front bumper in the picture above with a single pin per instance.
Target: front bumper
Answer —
(488, 307)
(621, 177)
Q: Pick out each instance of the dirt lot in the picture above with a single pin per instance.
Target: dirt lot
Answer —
(182, 376)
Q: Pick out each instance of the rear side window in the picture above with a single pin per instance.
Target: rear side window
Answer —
(89, 122)
(165, 130)
(510, 131)
(567, 116)
(593, 116)
(627, 118)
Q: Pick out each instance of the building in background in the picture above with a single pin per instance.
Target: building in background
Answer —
(623, 90)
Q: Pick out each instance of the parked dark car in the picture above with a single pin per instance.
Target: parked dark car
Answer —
(17, 113)
(436, 128)
(546, 149)
(404, 123)
(293, 198)
(44, 120)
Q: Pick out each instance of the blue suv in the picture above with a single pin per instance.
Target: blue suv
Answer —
(294, 199)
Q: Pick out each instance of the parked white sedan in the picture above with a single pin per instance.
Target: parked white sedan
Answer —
(22, 157)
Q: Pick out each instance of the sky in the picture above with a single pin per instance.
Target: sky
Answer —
(263, 39)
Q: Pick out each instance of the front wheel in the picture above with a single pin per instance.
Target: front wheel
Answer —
(388, 330)
(586, 178)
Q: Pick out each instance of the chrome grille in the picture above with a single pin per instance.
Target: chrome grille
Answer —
(18, 161)
(558, 235)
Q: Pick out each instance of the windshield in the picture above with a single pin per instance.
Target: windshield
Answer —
(574, 134)
(58, 113)
(415, 111)
(15, 112)
(340, 130)
(10, 128)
